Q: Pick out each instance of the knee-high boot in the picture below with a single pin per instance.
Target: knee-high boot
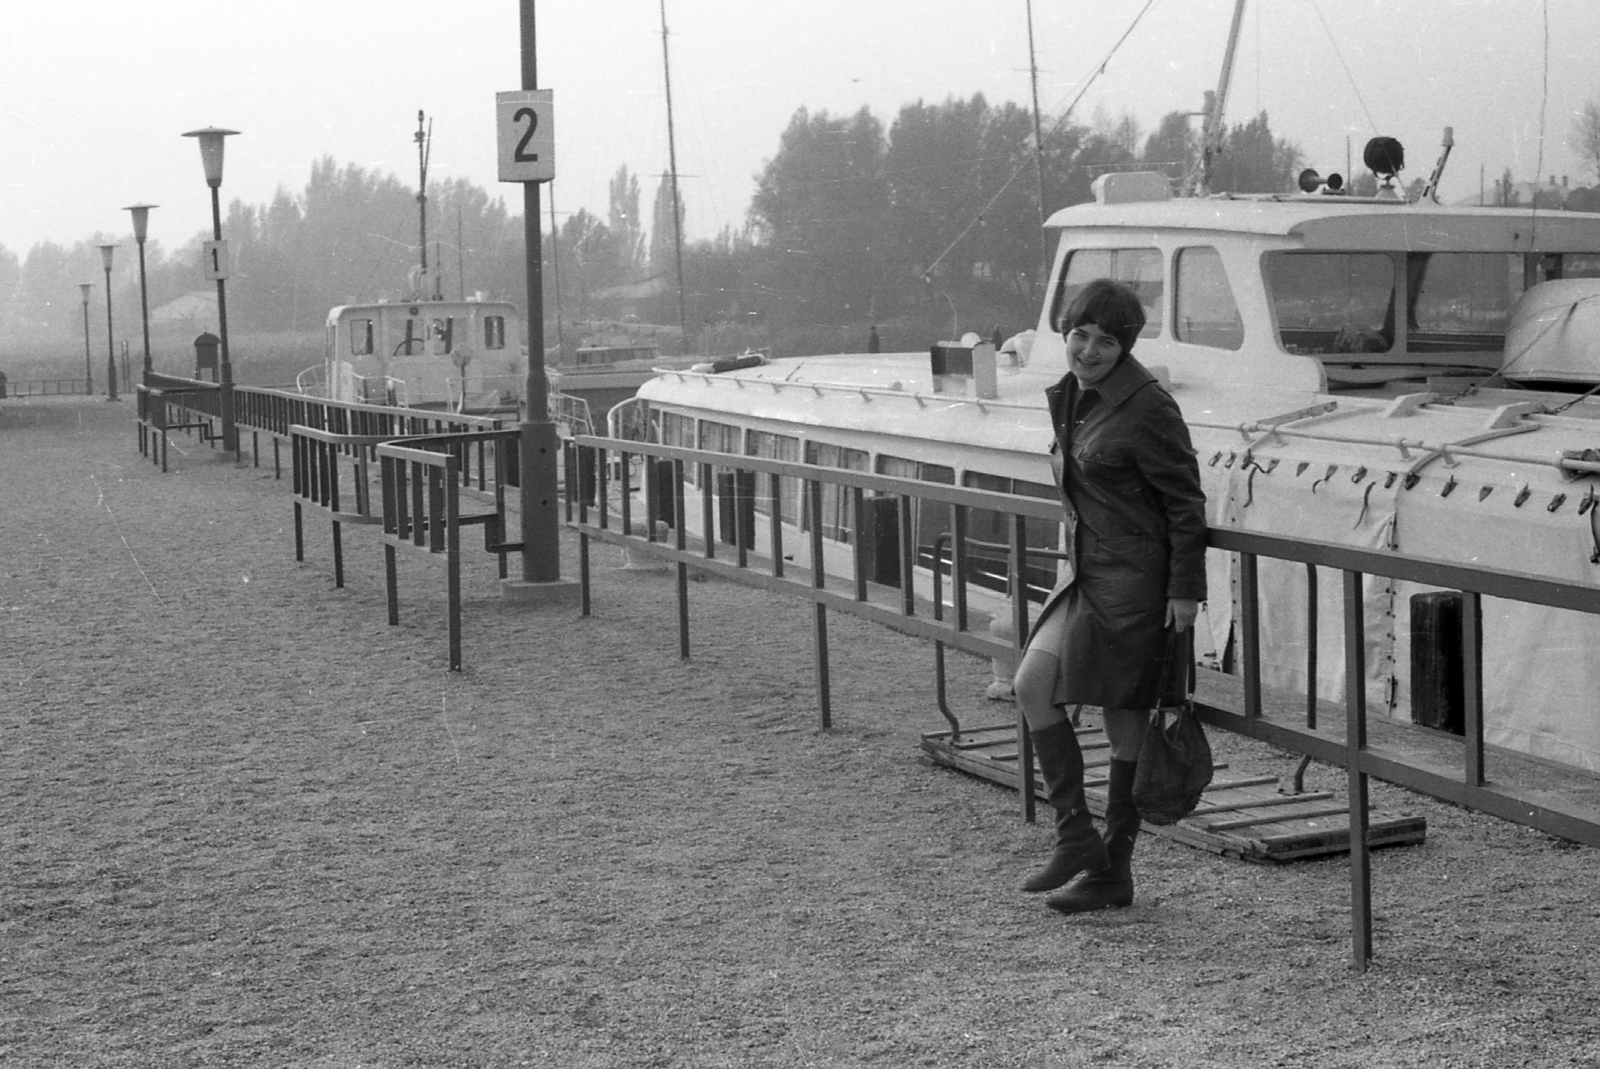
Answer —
(1078, 847)
(1111, 887)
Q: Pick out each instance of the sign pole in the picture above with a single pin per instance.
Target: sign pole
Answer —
(538, 442)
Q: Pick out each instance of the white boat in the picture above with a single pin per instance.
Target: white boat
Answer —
(1362, 371)
(460, 356)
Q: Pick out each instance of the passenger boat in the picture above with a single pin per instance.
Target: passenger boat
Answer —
(461, 356)
(1357, 370)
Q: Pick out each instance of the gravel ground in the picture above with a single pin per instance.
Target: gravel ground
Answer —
(243, 822)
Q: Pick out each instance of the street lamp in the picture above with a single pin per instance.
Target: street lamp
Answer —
(216, 266)
(111, 349)
(141, 225)
(88, 366)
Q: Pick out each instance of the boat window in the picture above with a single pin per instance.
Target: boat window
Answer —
(411, 343)
(1567, 266)
(928, 520)
(494, 332)
(1139, 269)
(1461, 300)
(1206, 312)
(732, 488)
(838, 512)
(361, 337)
(719, 437)
(442, 331)
(677, 430)
(775, 447)
(1332, 302)
(989, 536)
(902, 468)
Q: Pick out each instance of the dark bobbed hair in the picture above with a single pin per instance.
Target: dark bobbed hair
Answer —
(1109, 305)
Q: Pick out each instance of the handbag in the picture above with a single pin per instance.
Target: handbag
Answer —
(1175, 764)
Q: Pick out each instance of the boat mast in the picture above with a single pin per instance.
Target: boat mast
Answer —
(672, 164)
(1211, 129)
(1038, 151)
(555, 269)
(424, 139)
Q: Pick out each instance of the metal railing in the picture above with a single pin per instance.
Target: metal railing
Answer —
(23, 388)
(195, 403)
(422, 491)
(188, 406)
(899, 609)
(1469, 786)
(332, 472)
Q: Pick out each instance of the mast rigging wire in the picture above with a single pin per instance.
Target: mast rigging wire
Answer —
(1096, 71)
(1371, 122)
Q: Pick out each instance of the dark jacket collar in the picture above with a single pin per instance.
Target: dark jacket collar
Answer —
(1126, 379)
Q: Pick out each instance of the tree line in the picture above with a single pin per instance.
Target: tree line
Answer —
(927, 225)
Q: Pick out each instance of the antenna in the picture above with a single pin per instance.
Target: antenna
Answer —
(424, 139)
(672, 163)
(1038, 152)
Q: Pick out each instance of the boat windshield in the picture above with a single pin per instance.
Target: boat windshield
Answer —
(1344, 302)
(1332, 302)
(1137, 268)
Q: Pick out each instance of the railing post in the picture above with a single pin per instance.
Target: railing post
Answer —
(1019, 636)
(819, 618)
(775, 524)
(1250, 639)
(1355, 747)
(680, 518)
(1472, 685)
(1311, 646)
(908, 557)
(708, 509)
(452, 549)
(959, 566)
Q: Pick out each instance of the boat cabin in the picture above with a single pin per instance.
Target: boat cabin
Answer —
(1373, 290)
(423, 354)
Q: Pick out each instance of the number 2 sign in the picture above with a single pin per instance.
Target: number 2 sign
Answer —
(525, 121)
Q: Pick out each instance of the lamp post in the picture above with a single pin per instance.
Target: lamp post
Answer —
(216, 266)
(111, 348)
(88, 365)
(141, 225)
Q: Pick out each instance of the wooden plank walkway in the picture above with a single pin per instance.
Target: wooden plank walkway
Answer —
(1241, 815)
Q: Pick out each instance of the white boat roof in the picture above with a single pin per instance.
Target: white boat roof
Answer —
(1323, 222)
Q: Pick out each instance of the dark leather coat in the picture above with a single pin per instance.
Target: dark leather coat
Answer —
(1131, 486)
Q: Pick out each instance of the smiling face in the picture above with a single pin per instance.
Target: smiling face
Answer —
(1092, 353)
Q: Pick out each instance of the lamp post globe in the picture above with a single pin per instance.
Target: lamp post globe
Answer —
(211, 140)
(111, 349)
(141, 227)
(88, 365)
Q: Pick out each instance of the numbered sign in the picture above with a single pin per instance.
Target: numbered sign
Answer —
(527, 135)
(214, 260)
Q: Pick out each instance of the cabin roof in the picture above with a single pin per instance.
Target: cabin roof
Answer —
(423, 308)
(1332, 223)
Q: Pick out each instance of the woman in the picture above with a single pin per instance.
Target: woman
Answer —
(1109, 634)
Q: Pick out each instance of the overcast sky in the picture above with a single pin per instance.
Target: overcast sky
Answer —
(94, 94)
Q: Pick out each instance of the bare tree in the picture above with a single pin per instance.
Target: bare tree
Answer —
(1586, 135)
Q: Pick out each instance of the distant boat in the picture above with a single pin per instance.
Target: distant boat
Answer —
(459, 356)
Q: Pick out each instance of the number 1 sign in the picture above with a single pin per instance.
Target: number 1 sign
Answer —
(214, 260)
(525, 121)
